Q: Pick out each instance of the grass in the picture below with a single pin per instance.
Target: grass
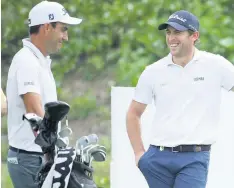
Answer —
(102, 173)
(5, 181)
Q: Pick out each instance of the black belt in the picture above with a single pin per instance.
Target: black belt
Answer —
(24, 151)
(186, 148)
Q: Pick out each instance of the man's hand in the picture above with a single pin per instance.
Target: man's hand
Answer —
(138, 157)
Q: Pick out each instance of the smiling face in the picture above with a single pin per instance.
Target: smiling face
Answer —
(180, 43)
(55, 37)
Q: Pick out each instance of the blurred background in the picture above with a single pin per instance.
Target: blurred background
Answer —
(111, 47)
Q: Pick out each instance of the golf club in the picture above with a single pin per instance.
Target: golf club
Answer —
(98, 156)
(97, 149)
(83, 142)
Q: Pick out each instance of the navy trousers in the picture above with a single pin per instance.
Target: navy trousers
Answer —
(166, 169)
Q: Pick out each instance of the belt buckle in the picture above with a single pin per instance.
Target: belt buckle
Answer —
(174, 151)
(161, 148)
(197, 149)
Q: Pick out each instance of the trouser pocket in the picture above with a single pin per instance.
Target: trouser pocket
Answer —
(144, 160)
(23, 168)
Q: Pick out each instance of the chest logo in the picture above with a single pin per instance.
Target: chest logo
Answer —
(199, 79)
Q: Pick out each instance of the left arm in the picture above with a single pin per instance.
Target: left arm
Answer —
(226, 70)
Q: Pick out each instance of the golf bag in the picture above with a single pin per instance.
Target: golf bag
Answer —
(64, 167)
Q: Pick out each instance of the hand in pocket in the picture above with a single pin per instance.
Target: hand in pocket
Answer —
(138, 157)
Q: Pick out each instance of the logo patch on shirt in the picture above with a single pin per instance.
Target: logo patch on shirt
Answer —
(163, 84)
(28, 83)
(199, 79)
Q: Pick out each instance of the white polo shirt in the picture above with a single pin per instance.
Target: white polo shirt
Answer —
(187, 100)
(29, 72)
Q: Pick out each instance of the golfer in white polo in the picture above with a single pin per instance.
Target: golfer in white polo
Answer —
(30, 85)
(185, 87)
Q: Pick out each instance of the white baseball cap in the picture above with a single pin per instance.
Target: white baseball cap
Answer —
(47, 12)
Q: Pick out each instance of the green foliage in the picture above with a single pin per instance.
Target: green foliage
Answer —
(4, 144)
(122, 32)
(4, 150)
(103, 112)
(82, 106)
(102, 169)
(4, 125)
(6, 181)
(102, 173)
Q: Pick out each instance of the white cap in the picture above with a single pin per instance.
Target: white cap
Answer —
(47, 12)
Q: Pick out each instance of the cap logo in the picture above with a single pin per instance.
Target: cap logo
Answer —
(192, 27)
(64, 11)
(51, 16)
(175, 16)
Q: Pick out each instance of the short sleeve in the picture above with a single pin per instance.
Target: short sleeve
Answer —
(143, 91)
(28, 80)
(227, 74)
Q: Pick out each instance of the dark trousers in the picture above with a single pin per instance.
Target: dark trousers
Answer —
(23, 168)
(166, 169)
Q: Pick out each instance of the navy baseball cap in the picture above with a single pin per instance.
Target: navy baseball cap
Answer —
(181, 20)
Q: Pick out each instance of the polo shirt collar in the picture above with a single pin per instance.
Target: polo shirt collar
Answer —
(196, 57)
(45, 60)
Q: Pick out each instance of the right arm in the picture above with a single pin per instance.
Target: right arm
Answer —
(142, 97)
(28, 82)
(33, 104)
(134, 113)
(29, 89)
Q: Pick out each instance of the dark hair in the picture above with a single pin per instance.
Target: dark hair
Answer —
(53, 24)
(35, 29)
(196, 42)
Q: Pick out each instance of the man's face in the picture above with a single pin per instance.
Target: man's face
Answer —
(180, 43)
(56, 36)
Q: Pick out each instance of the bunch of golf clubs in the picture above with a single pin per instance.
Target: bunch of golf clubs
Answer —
(87, 147)
(88, 150)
